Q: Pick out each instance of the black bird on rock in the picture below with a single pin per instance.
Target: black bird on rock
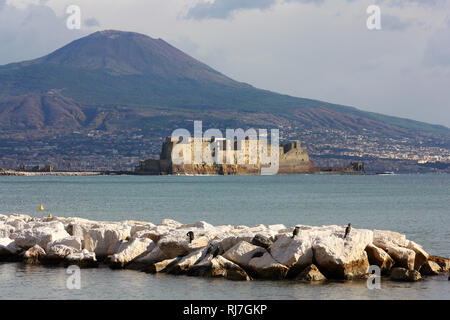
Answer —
(190, 234)
(295, 232)
(347, 230)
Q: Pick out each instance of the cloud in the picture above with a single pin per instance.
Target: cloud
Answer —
(403, 3)
(32, 31)
(437, 53)
(393, 23)
(317, 2)
(91, 22)
(222, 9)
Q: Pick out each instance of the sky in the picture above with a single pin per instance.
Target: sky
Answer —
(318, 49)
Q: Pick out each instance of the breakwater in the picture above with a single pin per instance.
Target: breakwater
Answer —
(231, 252)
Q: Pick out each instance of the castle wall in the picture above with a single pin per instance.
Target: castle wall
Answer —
(292, 159)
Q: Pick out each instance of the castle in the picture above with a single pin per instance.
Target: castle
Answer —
(228, 157)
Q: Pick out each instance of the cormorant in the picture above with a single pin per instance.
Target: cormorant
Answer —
(295, 232)
(190, 234)
(347, 230)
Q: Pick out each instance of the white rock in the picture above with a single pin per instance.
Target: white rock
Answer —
(6, 230)
(40, 234)
(219, 267)
(184, 264)
(421, 255)
(105, 239)
(202, 225)
(139, 227)
(230, 241)
(379, 257)
(243, 252)
(57, 252)
(130, 250)
(176, 243)
(149, 259)
(267, 267)
(384, 238)
(170, 223)
(343, 258)
(402, 256)
(83, 259)
(295, 253)
(71, 241)
(8, 247)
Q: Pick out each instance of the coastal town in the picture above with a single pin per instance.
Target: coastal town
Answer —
(97, 150)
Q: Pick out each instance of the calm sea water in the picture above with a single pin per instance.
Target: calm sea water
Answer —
(417, 205)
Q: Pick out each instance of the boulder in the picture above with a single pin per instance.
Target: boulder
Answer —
(6, 230)
(343, 258)
(8, 250)
(154, 233)
(137, 226)
(430, 268)
(105, 239)
(380, 258)
(83, 259)
(295, 253)
(39, 234)
(200, 225)
(159, 266)
(146, 261)
(33, 255)
(421, 255)
(130, 250)
(243, 252)
(172, 224)
(403, 257)
(310, 273)
(230, 241)
(384, 238)
(56, 253)
(266, 267)
(444, 263)
(176, 243)
(75, 242)
(261, 241)
(219, 267)
(182, 265)
(402, 274)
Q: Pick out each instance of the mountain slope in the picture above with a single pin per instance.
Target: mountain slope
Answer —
(112, 96)
(129, 69)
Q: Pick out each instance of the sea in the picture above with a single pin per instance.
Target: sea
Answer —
(417, 205)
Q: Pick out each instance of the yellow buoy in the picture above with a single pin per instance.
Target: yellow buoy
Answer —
(41, 207)
(49, 215)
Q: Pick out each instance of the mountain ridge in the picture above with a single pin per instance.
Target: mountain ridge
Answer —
(127, 85)
(145, 69)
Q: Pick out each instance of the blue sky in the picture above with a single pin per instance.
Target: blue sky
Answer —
(318, 49)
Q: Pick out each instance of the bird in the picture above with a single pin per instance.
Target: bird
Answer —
(347, 230)
(295, 232)
(190, 234)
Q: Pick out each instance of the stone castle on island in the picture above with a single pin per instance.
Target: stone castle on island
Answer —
(245, 160)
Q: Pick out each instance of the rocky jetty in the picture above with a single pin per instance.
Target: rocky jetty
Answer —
(231, 252)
